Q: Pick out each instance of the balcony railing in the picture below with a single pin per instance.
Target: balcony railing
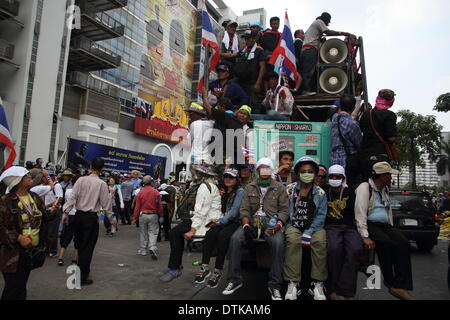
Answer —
(6, 50)
(99, 26)
(9, 9)
(100, 5)
(86, 55)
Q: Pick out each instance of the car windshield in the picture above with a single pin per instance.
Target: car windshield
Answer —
(407, 202)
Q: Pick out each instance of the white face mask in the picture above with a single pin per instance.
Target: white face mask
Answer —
(335, 183)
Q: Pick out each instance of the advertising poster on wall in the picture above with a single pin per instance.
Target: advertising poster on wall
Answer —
(81, 153)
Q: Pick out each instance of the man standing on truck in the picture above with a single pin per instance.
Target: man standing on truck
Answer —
(263, 200)
(308, 58)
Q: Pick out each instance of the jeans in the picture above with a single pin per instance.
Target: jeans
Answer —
(16, 283)
(177, 244)
(218, 237)
(394, 254)
(67, 234)
(294, 251)
(126, 214)
(276, 243)
(344, 246)
(86, 235)
(308, 61)
(148, 231)
(53, 226)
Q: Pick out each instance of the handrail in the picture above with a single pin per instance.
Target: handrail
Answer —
(10, 5)
(96, 49)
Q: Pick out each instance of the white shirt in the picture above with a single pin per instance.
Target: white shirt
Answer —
(200, 133)
(52, 196)
(41, 191)
(314, 33)
(208, 207)
(73, 211)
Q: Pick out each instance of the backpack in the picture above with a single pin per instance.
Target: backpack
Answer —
(188, 203)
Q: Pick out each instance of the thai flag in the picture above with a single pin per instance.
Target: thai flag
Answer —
(284, 54)
(143, 107)
(6, 142)
(208, 37)
(247, 152)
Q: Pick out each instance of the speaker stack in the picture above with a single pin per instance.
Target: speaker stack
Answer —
(334, 67)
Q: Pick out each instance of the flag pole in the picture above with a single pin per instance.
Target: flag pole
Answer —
(279, 82)
(206, 66)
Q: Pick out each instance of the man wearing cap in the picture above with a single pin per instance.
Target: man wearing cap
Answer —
(308, 210)
(230, 43)
(148, 209)
(90, 195)
(200, 205)
(374, 219)
(344, 241)
(285, 101)
(379, 128)
(200, 133)
(250, 66)
(310, 49)
(22, 227)
(127, 189)
(224, 88)
(243, 114)
(257, 27)
(263, 200)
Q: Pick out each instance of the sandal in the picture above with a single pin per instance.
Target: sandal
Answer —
(60, 262)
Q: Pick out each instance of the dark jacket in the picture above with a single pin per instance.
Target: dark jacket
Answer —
(10, 230)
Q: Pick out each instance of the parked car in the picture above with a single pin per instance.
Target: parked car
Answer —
(415, 219)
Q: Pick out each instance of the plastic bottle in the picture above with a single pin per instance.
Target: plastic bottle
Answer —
(272, 223)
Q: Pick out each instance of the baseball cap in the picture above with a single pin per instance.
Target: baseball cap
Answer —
(223, 67)
(306, 160)
(231, 172)
(232, 23)
(196, 108)
(384, 167)
(250, 34)
(246, 108)
(147, 179)
(265, 162)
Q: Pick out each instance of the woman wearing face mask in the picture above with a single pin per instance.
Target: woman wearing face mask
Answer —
(308, 206)
(344, 242)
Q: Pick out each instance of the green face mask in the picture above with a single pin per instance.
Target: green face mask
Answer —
(264, 184)
(307, 177)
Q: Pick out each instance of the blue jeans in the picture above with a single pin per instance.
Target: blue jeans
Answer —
(276, 243)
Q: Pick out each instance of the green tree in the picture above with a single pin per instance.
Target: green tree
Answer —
(417, 134)
(443, 159)
(443, 103)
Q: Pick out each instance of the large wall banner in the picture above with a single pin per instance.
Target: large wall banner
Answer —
(81, 153)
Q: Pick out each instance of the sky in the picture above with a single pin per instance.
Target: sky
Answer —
(407, 43)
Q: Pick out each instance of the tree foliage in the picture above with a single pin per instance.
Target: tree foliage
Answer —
(443, 103)
(443, 159)
(417, 135)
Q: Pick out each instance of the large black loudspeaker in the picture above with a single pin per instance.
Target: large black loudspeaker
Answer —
(334, 67)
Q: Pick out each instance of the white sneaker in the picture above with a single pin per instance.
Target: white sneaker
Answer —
(292, 291)
(317, 290)
(231, 288)
(142, 252)
(275, 294)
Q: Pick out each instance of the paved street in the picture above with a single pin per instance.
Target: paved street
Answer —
(138, 279)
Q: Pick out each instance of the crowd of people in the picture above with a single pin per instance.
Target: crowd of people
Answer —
(246, 77)
(336, 213)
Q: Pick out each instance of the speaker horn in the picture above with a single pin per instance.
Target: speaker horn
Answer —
(333, 80)
(334, 51)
